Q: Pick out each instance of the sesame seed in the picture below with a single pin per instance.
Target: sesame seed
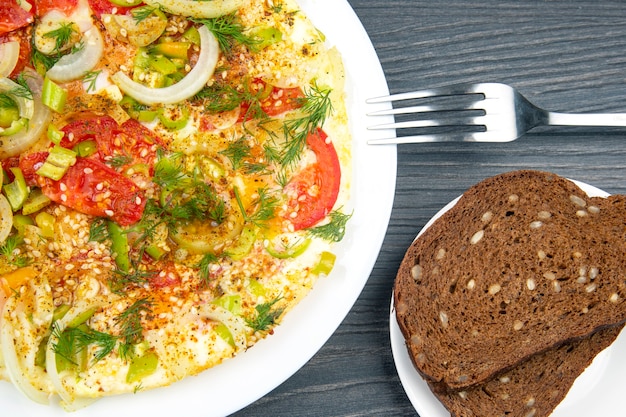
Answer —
(109, 213)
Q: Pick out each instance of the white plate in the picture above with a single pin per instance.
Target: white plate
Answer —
(240, 381)
(597, 392)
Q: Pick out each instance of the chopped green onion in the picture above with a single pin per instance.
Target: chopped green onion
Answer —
(175, 124)
(57, 163)
(53, 95)
(292, 251)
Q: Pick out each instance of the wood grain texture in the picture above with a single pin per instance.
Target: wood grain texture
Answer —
(564, 56)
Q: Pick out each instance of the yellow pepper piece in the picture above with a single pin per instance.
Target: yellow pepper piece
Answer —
(14, 279)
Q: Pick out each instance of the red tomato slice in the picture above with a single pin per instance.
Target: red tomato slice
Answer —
(277, 101)
(315, 189)
(131, 143)
(100, 7)
(90, 187)
(12, 16)
(64, 6)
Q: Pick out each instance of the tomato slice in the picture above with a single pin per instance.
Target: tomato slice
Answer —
(100, 7)
(274, 100)
(127, 145)
(313, 191)
(64, 6)
(90, 187)
(13, 17)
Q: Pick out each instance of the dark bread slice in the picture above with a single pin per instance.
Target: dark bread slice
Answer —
(523, 262)
(534, 387)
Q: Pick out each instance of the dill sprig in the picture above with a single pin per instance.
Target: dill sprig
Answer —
(228, 31)
(98, 231)
(204, 266)
(73, 340)
(316, 107)
(61, 35)
(237, 151)
(8, 251)
(266, 315)
(334, 230)
(90, 78)
(131, 329)
(265, 207)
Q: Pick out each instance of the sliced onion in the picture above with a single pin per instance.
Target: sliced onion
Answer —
(193, 82)
(73, 66)
(18, 371)
(69, 400)
(6, 218)
(25, 105)
(235, 324)
(24, 139)
(9, 54)
(198, 9)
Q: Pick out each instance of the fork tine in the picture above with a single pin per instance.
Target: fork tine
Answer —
(426, 109)
(436, 137)
(454, 90)
(457, 121)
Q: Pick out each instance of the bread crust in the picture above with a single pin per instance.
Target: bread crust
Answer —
(524, 262)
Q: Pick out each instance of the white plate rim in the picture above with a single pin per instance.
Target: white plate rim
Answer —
(240, 381)
(595, 392)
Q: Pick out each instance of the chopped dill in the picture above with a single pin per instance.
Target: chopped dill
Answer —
(265, 207)
(204, 266)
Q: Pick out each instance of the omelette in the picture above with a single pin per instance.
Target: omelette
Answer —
(175, 175)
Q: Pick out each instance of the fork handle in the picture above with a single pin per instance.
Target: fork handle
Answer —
(586, 119)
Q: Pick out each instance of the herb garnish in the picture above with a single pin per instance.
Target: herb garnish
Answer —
(8, 250)
(266, 315)
(334, 230)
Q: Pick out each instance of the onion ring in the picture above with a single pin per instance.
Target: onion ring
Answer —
(198, 9)
(193, 82)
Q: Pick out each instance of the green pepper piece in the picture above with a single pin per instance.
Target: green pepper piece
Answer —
(289, 252)
(85, 148)
(171, 49)
(17, 191)
(57, 163)
(244, 242)
(119, 246)
(36, 201)
(325, 265)
(15, 127)
(231, 303)
(142, 366)
(53, 95)
(224, 332)
(45, 222)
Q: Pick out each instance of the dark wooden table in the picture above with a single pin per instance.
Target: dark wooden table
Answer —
(565, 56)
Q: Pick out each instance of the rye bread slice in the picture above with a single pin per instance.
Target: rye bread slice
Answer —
(534, 387)
(523, 262)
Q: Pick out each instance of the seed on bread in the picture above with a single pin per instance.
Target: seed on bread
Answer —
(578, 201)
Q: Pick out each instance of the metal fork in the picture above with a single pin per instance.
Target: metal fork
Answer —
(499, 113)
